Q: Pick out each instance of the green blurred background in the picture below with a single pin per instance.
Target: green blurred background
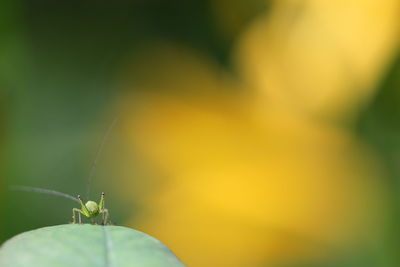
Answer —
(250, 133)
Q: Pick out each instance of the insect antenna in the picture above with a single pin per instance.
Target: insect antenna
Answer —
(99, 150)
(43, 191)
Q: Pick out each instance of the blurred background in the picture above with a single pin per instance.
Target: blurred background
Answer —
(249, 133)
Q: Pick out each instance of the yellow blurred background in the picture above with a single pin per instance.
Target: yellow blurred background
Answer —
(267, 157)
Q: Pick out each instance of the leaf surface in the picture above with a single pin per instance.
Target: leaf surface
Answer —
(85, 245)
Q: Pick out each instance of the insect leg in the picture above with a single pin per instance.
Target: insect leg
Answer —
(105, 216)
(79, 215)
(101, 203)
(73, 216)
(84, 210)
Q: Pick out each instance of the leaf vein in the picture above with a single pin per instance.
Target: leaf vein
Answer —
(107, 247)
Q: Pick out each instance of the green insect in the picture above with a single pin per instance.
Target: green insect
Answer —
(90, 209)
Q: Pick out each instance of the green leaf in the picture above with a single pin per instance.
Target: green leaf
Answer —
(85, 245)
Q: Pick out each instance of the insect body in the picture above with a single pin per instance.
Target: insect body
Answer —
(91, 210)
